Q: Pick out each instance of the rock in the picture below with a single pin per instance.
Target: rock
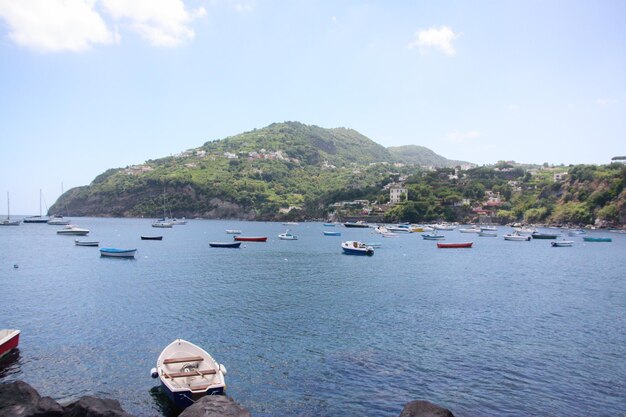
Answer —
(95, 407)
(424, 409)
(215, 406)
(18, 399)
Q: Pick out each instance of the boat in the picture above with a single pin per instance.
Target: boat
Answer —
(287, 235)
(176, 221)
(144, 237)
(488, 228)
(162, 223)
(525, 230)
(597, 239)
(326, 233)
(562, 243)
(9, 339)
(433, 237)
(58, 221)
(470, 230)
(538, 235)
(290, 223)
(233, 245)
(73, 230)
(443, 226)
(360, 224)
(37, 219)
(455, 245)
(188, 373)
(329, 224)
(417, 229)
(86, 243)
(250, 238)
(118, 253)
(354, 247)
(576, 232)
(399, 228)
(8, 221)
(487, 233)
(516, 237)
(390, 234)
(233, 231)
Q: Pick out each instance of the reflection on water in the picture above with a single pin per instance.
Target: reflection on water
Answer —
(162, 403)
(10, 366)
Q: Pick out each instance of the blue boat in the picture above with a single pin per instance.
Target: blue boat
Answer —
(329, 224)
(433, 237)
(353, 247)
(118, 253)
(332, 233)
(597, 239)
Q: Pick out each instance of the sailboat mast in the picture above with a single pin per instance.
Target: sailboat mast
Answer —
(40, 202)
(8, 207)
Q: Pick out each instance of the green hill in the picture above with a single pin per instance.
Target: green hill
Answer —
(419, 155)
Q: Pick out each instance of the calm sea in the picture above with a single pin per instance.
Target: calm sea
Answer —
(502, 329)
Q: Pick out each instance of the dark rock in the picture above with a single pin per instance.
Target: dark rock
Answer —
(424, 409)
(215, 406)
(18, 399)
(95, 407)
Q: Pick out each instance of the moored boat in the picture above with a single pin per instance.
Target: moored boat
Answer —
(470, 230)
(176, 221)
(287, 235)
(8, 221)
(86, 243)
(233, 231)
(333, 233)
(433, 237)
(455, 245)
(9, 339)
(354, 247)
(517, 237)
(538, 235)
(162, 223)
(359, 224)
(250, 238)
(597, 239)
(561, 243)
(118, 253)
(73, 230)
(59, 221)
(329, 224)
(487, 233)
(153, 237)
(188, 373)
(232, 245)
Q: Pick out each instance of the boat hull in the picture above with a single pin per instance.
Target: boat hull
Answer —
(9, 339)
(79, 243)
(543, 236)
(454, 245)
(563, 244)
(151, 237)
(597, 239)
(433, 237)
(73, 232)
(118, 253)
(186, 398)
(357, 225)
(250, 239)
(332, 233)
(232, 245)
(517, 238)
(356, 248)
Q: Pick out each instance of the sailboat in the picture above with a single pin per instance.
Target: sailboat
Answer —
(57, 219)
(37, 219)
(163, 222)
(8, 221)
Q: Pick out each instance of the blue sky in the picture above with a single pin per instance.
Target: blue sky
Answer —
(87, 85)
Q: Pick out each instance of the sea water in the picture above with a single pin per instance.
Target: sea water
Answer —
(501, 329)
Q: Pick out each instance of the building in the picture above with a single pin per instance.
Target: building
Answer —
(396, 193)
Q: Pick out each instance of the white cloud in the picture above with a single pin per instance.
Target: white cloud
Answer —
(244, 8)
(460, 137)
(605, 101)
(160, 22)
(55, 25)
(435, 38)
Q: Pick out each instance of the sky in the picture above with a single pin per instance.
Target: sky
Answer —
(88, 85)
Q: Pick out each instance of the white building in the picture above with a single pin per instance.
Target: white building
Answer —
(395, 194)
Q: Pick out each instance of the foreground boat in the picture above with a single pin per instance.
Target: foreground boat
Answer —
(353, 247)
(118, 253)
(455, 245)
(562, 243)
(188, 373)
(250, 238)
(86, 243)
(144, 237)
(9, 339)
(233, 245)
(597, 239)
(72, 230)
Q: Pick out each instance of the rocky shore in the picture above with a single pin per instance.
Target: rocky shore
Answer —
(18, 399)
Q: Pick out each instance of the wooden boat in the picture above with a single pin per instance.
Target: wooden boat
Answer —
(597, 239)
(8, 221)
(72, 230)
(455, 245)
(144, 237)
(9, 339)
(332, 233)
(516, 237)
(433, 237)
(233, 245)
(188, 373)
(360, 224)
(250, 238)
(353, 247)
(86, 243)
(537, 235)
(562, 243)
(118, 253)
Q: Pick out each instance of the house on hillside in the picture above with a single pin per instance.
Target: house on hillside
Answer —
(396, 193)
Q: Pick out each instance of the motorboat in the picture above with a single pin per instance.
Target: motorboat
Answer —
(9, 339)
(360, 224)
(250, 238)
(470, 230)
(162, 223)
(59, 221)
(188, 373)
(538, 235)
(431, 236)
(73, 230)
(354, 247)
(287, 235)
(516, 237)
(118, 253)
(233, 231)
(455, 245)
(86, 243)
(151, 237)
(232, 245)
(488, 233)
(443, 226)
(562, 243)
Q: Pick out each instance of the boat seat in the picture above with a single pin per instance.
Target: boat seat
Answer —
(200, 387)
(203, 372)
(181, 360)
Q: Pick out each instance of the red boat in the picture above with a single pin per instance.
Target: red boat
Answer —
(250, 239)
(455, 245)
(9, 338)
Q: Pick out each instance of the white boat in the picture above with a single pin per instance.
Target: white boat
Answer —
(561, 243)
(8, 221)
(525, 230)
(58, 221)
(390, 234)
(517, 237)
(118, 253)
(443, 226)
(86, 242)
(162, 223)
(287, 235)
(290, 224)
(353, 247)
(73, 230)
(187, 373)
(470, 230)
(233, 231)
(176, 221)
(488, 233)
(576, 232)
(401, 229)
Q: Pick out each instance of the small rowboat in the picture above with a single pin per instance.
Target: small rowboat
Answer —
(233, 231)
(250, 238)
(516, 237)
(537, 235)
(233, 245)
(188, 373)
(562, 243)
(118, 253)
(332, 233)
(455, 245)
(433, 237)
(597, 239)
(86, 243)
(9, 339)
(151, 237)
